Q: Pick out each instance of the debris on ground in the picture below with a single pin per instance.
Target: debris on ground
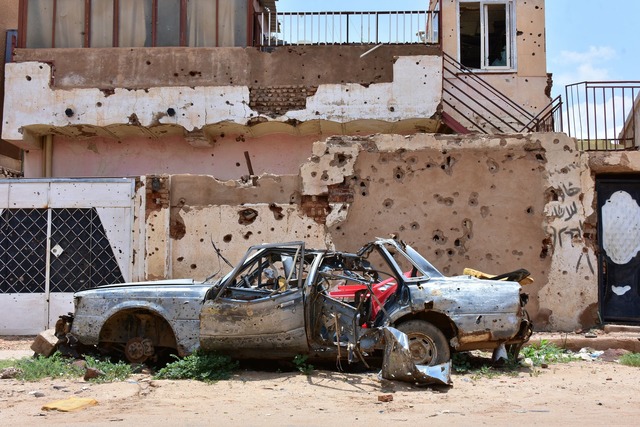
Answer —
(10, 373)
(92, 373)
(70, 404)
(613, 354)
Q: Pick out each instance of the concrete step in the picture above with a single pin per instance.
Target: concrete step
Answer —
(624, 338)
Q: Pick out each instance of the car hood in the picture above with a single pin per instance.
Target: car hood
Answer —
(158, 287)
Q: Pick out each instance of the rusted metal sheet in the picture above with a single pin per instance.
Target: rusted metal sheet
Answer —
(399, 366)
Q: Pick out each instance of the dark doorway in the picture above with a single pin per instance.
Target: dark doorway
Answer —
(619, 255)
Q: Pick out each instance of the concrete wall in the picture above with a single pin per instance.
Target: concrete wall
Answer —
(9, 154)
(208, 113)
(527, 84)
(494, 204)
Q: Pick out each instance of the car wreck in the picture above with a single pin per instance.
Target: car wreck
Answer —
(282, 300)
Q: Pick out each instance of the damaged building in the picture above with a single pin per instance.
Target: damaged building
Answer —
(145, 134)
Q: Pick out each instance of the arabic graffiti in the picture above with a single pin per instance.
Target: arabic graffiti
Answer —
(558, 234)
(570, 230)
(566, 212)
(567, 208)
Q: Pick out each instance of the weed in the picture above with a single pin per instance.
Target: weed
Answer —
(8, 363)
(198, 366)
(630, 359)
(480, 367)
(546, 352)
(112, 371)
(485, 371)
(56, 366)
(300, 362)
(40, 367)
(461, 362)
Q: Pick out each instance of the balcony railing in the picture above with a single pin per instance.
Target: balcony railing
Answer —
(603, 116)
(321, 28)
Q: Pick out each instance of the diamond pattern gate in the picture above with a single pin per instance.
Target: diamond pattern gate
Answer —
(82, 257)
(46, 254)
(23, 251)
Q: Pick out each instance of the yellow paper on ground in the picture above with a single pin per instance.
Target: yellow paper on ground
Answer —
(70, 404)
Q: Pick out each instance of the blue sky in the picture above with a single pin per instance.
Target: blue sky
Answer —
(586, 39)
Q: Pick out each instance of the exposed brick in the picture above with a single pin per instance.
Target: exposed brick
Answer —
(157, 193)
(316, 207)
(340, 193)
(273, 100)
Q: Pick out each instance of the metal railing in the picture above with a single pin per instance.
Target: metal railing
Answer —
(479, 106)
(321, 28)
(603, 116)
(549, 119)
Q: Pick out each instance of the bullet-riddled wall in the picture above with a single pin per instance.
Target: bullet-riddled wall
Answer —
(495, 204)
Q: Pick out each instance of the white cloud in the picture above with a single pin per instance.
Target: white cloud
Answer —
(591, 65)
(595, 54)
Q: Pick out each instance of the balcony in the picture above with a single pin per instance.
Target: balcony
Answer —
(603, 116)
(359, 28)
(346, 73)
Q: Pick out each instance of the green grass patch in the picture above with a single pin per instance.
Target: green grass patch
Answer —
(482, 366)
(301, 364)
(630, 359)
(206, 367)
(40, 367)
(56, 366)
(546, 352)
(8, 363)
(118, 371)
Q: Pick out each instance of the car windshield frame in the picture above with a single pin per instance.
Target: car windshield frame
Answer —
(256, 251)
(425, 269)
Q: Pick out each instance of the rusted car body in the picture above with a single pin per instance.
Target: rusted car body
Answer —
(276, 303)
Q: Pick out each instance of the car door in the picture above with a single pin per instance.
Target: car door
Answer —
(259, 310)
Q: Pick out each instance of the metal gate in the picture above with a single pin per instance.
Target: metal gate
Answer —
(56, 238)
(619, 258)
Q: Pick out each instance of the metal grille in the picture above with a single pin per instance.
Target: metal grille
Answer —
(23, 244)
(81, 254)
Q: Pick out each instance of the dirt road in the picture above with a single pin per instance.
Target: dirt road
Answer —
(577, 393)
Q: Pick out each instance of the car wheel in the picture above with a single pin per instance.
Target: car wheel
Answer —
(427, 343)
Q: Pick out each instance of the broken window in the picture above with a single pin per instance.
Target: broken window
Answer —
(486, 34)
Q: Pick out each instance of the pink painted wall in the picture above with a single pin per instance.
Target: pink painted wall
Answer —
(99, 157)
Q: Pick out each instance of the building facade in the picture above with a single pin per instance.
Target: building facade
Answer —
(237, 124)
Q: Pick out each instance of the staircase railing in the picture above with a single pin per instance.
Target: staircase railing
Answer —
(480, 107)
(549, 119)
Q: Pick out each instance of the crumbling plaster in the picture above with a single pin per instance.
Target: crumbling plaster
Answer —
(492, 203)
(415, 92)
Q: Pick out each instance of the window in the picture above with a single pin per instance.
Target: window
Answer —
(486, 34)
(133, 23)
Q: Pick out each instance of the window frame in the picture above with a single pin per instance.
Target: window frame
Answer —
(510, 27)
(183, 36)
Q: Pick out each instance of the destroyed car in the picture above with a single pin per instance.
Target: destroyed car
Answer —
(277, 303)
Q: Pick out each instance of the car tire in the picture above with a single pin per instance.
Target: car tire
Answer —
(427, 343)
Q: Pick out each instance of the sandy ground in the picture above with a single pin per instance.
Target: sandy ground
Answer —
(577, 393)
